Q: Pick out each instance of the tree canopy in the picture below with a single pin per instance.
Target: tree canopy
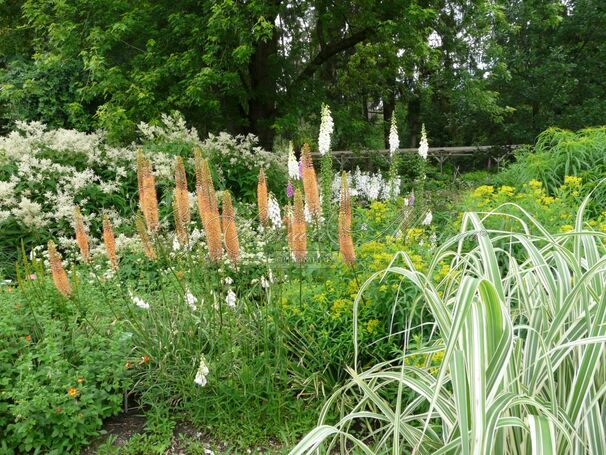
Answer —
(474, 71)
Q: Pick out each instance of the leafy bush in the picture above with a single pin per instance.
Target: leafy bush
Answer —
(237, 160)
(60, 374)
(559, 153)
(317, 300)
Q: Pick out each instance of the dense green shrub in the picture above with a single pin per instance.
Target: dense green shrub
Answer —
(61, 373)
(559, 153)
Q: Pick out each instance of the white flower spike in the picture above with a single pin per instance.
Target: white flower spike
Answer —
(293, 164)
(326, 129)
(394, 140)
(423, 145)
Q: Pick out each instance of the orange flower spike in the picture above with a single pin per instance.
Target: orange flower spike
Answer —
(110, 242)
(181, 193)
(81, 235)
(262, 197)
(203, 181)
(288, 223)
(299, 229)
(213, 231)
(345, 240)
(146, 242)
(211, 215)
(180, 228)
(150, 200)
(58, 272)
(141, 171)
(208, 207)
(230, 232)
(310, 183)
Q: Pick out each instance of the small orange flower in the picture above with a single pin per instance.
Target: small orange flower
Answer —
(72, 392)
(128, 365)
(145, 359)
(28, 338)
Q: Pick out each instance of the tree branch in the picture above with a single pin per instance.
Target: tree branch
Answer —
(332, 49)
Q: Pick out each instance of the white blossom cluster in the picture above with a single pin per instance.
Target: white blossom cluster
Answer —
(326, 128)
(55, 170)
(366, 186)
(202, 373)
(138, 301)
(238, 154)
(171, 128)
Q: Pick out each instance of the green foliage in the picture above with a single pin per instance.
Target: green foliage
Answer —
(317, 301)
(560, 153)
(238, 68)
(60, 376)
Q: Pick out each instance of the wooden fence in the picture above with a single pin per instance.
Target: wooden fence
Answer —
(494, 153)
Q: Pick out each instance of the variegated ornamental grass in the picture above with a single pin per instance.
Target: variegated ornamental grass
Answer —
(521, 323)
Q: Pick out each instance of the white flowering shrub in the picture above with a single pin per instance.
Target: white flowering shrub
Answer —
(237, 160)
(45, 173)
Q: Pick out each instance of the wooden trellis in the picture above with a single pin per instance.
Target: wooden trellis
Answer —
(496, 153)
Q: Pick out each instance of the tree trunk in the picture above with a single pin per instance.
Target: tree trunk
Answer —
(414, 118)
(263, 88)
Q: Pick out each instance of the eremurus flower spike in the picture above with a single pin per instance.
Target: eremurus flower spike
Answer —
(58, 272)
(310, 183)
(181, 212)
(299, 229)
(146, 242)
(81, 235)
(345, 240)
(208, 207)
(262, 197)
(230, 232)
(109, 241)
